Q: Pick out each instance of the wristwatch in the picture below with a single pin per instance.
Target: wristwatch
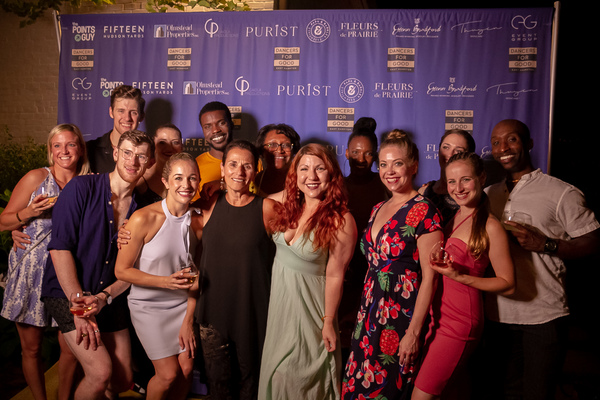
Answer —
(108, 297)
(550, 246)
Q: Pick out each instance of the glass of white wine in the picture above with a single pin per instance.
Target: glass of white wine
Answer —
(80, 303)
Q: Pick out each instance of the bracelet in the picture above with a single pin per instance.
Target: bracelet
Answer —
(17, 214)
(325, 316)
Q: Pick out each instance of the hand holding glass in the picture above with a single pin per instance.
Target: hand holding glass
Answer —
(438, 255)
(518, 217)
(80, 303)
(48, 192)
(192, 274)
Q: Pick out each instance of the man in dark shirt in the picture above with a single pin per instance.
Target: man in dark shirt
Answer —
(83, 252)
(127, 111)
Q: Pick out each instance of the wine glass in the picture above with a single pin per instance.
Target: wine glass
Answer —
(438, 255)
(518, 217)
(192, 274)
(48, 191)
(80, 303)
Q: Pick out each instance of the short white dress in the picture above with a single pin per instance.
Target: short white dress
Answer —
(157, 313)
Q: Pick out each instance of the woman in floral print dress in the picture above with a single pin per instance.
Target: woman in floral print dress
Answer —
(399, 284)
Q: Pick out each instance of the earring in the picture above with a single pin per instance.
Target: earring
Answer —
(222, 185)
(297, 194)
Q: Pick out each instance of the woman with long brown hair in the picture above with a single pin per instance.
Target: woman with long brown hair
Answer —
(315, 236)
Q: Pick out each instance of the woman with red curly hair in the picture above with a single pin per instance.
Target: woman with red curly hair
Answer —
(315, 237)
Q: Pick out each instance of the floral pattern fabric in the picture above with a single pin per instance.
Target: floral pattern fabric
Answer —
(390, 290)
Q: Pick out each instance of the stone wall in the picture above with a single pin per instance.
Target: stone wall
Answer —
(29, 62)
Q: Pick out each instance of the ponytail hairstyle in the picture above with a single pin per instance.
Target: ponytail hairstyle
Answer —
(328, 218)
(479, 240)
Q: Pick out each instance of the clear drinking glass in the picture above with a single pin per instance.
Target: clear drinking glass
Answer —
(438, 255)
(80, 303)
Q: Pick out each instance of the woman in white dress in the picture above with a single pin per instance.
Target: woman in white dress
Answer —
(162, 299)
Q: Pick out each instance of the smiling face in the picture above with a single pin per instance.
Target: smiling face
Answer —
(126, 115)
(451, 144)
(509, 149)
(274, 154)
(464, 185)
(396, 170)
(238, 170)
(131, 170)
(313, 177)
(183, 180)
(65, 150)
(216, 130)
(361, 155)
(167, 142)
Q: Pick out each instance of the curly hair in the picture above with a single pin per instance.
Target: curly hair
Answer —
(328, 218)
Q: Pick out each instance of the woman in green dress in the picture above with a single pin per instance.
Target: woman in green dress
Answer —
(315, 237)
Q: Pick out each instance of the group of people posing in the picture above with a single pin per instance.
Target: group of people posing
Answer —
(265, 267)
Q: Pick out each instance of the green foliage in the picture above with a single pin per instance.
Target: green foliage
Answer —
(30, 11)
(220, 5)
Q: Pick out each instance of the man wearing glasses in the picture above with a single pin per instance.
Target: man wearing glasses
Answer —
(83, 251)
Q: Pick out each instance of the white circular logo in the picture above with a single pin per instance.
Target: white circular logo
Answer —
(318, 30)
(351, 90)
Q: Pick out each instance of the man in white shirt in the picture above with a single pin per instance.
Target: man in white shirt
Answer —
(529, 328)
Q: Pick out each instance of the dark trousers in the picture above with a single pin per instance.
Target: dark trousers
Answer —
(522, 362)
(229, 378)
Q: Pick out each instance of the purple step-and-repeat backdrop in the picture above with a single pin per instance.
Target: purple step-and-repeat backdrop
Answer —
(423, 71)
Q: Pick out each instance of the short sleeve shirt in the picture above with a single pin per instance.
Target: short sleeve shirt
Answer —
(83, 223)
(558, 210)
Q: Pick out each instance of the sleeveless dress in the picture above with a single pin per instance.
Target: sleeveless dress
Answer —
(26, 270)
(157, 313)
(295, 363)
(237, 258)
(457, 321)
(389, 294)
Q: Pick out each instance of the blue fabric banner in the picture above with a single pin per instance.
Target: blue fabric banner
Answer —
(423, 71)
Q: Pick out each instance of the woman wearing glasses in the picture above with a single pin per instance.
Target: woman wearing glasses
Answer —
(278, 145)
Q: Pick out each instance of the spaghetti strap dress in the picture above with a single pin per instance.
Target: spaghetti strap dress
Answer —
(22, 294)
(157, 313)
(295, 363)
(457, 320)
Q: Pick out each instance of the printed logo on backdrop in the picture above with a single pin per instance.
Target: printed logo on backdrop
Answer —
(510, 90)
(179, 59)
(213, 29)
(81, 89)
(401, 59)
(83, 33)
(393, 90)
(286, 59)
(244, 88)
(303, 90)
(271, 31)
(522, 59)
(107, 86)
(153, 87)
(174, 31)
(82, 59)
(351, 90)
(453, 89)
(340, 119)
(318, 30)
(123, 31)
(459, 119)
(204, 88)
(359, 29)
(524, 25)
(417, 30)
(474, 29)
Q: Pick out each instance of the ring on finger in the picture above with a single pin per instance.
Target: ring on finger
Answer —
(84, 335)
